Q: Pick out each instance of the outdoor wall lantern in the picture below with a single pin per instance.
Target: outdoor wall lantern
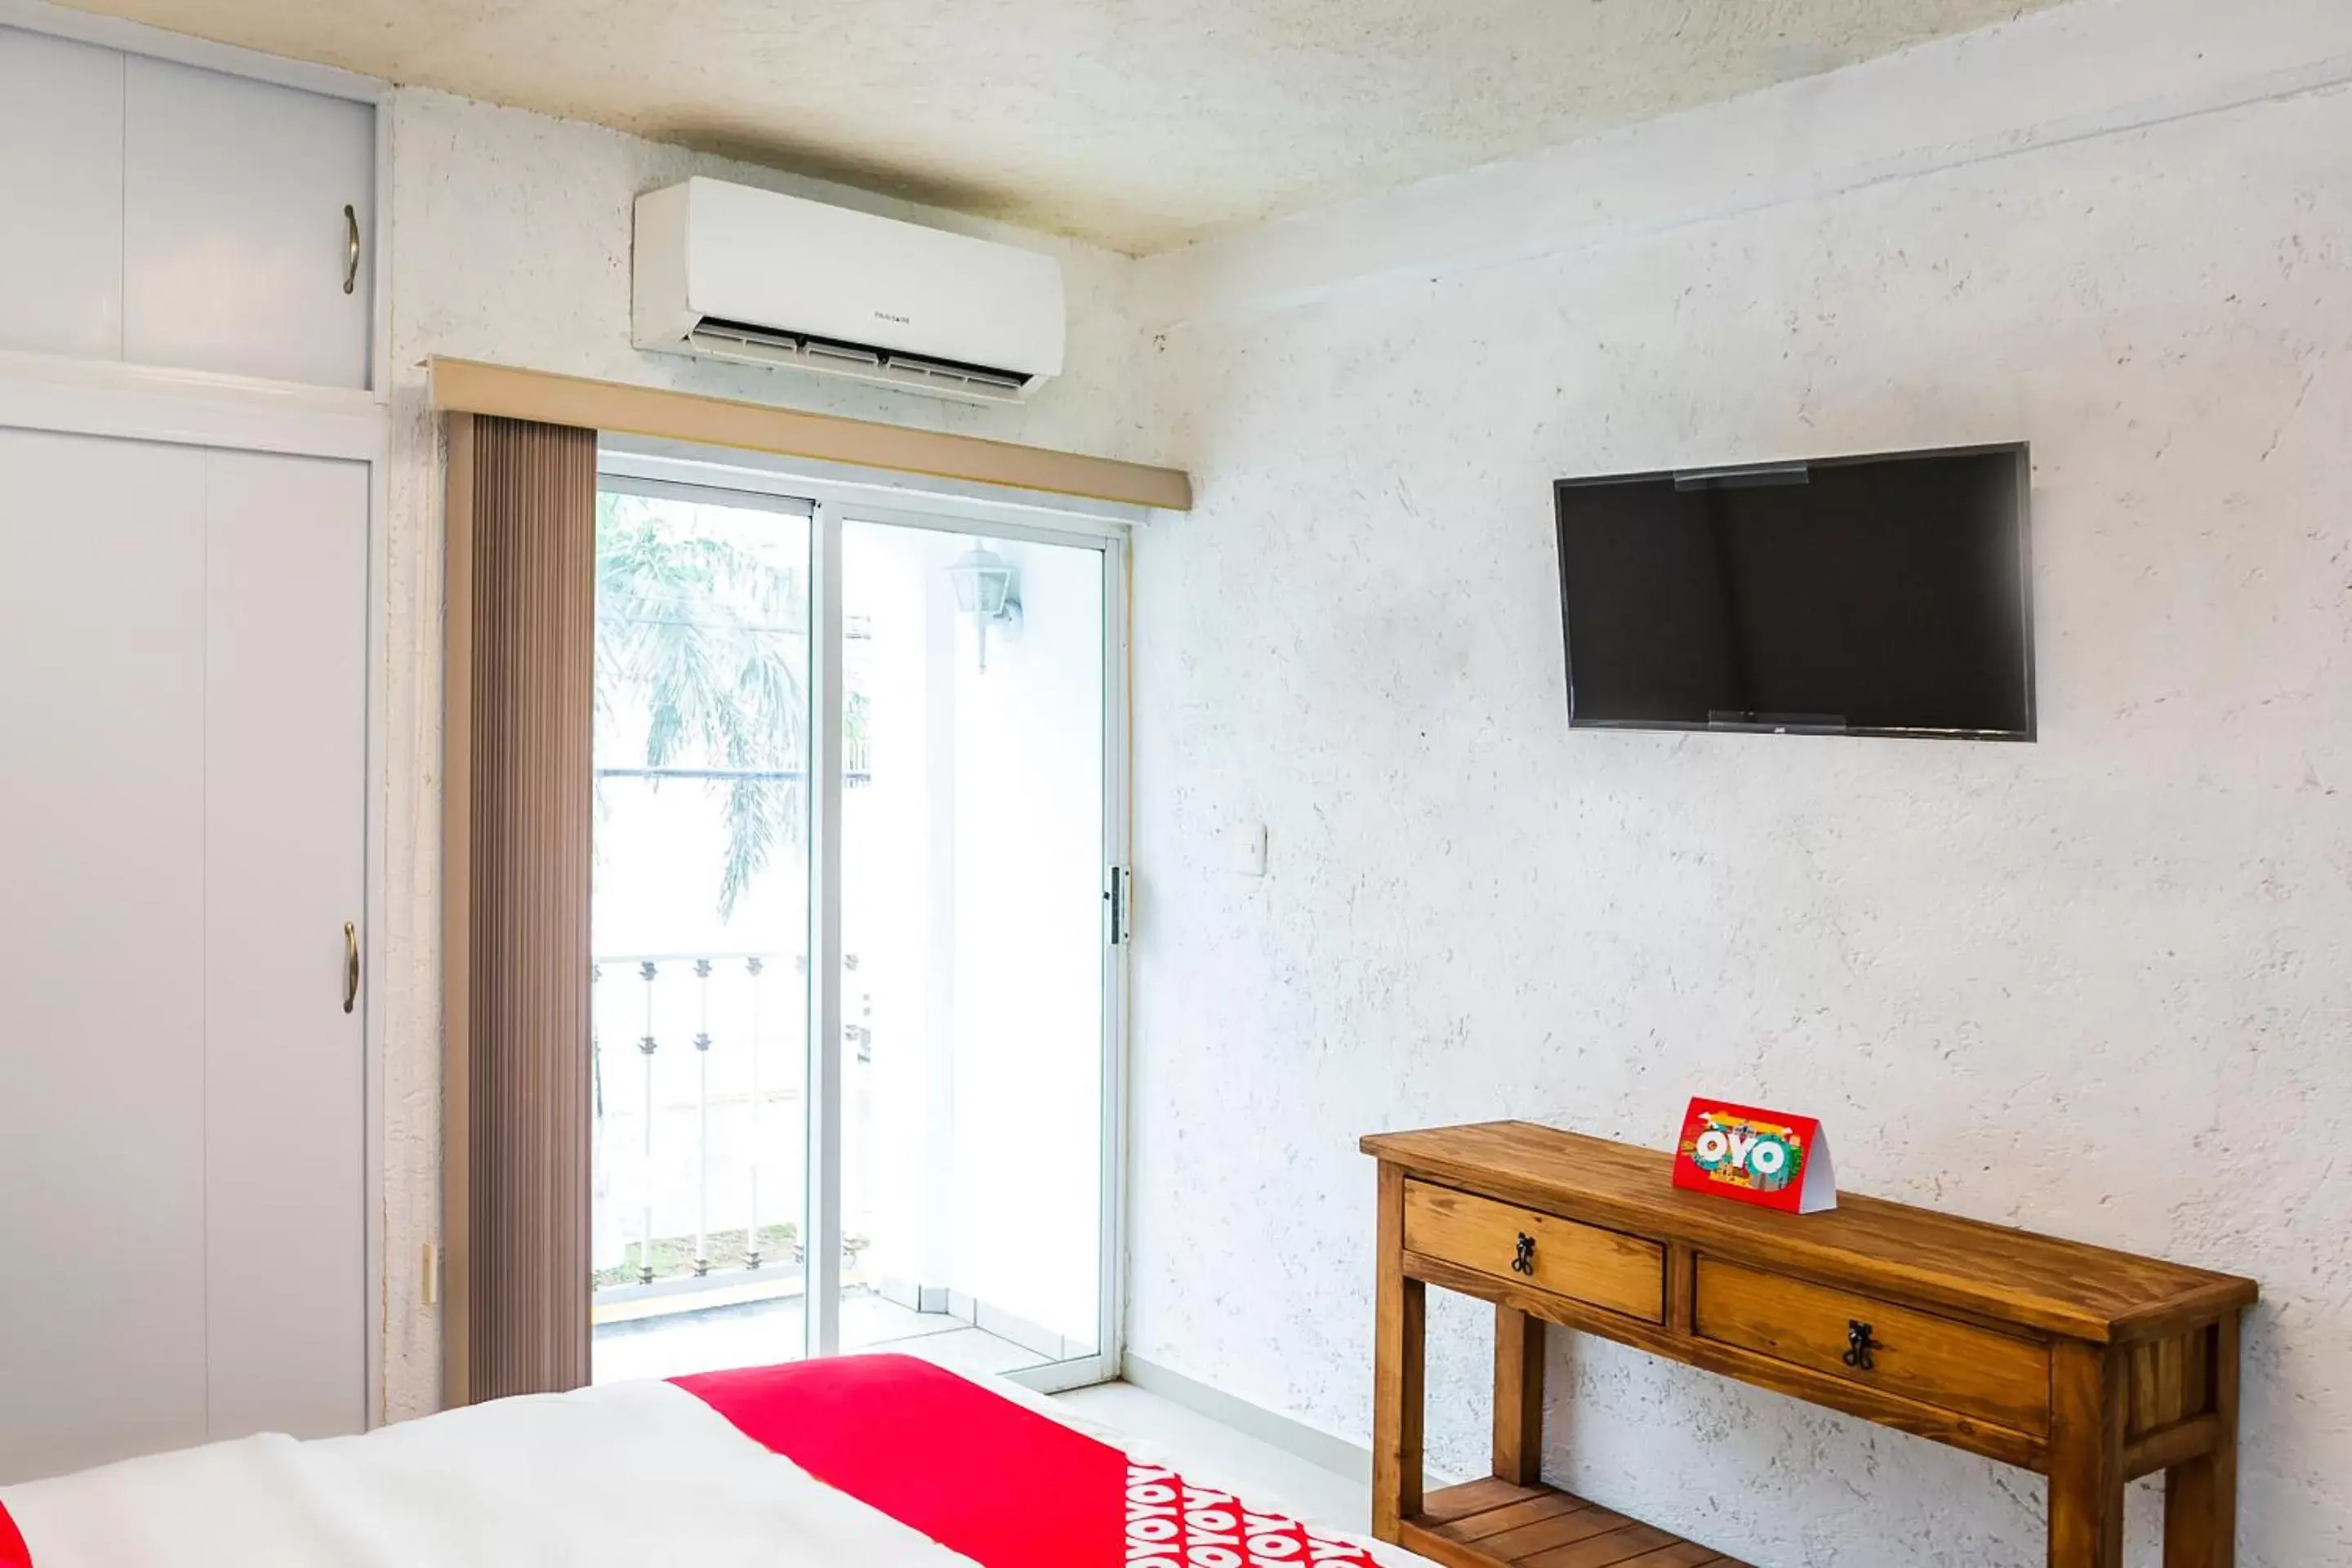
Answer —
(987, 588)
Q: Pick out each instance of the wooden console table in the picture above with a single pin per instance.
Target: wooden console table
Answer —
(2089, 1366)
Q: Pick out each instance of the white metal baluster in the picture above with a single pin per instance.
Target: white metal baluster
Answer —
(646, 971)
(702, 1119)
(759, 1146)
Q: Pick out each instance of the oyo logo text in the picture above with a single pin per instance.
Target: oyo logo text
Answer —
(1742, 1150)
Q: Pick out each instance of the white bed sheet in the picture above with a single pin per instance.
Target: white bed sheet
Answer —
(633, 1475)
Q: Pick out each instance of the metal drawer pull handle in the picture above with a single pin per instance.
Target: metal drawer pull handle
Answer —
(1523, 1259)
(351, 250)
(350, 965)
(1858, 1346)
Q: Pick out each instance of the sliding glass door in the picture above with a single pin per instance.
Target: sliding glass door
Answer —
(699, 929)
(859, 992)
(972, 831)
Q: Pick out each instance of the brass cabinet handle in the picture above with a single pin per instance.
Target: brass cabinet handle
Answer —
(351, 259)
(1523, 1257)
(351, 966)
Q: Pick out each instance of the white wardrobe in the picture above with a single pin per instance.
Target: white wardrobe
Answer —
(183, 769)
(183, 724)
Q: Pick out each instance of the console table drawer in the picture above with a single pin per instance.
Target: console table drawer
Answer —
(1522, 1248)
(1937, 1361)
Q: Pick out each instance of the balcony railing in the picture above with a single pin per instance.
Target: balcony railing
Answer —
(700, 1061)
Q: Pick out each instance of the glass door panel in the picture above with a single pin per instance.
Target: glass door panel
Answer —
(699, 930)
(974, 848)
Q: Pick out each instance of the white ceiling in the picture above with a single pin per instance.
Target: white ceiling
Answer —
(1132, 123)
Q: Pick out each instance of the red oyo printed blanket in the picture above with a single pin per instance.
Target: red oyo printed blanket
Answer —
(994, 1481)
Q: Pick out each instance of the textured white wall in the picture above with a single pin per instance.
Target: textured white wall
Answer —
(511, 242)
(2099, 986)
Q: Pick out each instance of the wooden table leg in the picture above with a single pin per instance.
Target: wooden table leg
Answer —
(2088, 1407)
(1397, 1348)
(2200, 1497)
(1518, 1396)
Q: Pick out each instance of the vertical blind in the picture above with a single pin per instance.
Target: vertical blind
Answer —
(521, 638)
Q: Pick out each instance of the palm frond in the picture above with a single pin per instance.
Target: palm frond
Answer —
(710, 641)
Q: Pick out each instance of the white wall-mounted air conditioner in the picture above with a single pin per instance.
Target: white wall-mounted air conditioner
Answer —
(735, 273)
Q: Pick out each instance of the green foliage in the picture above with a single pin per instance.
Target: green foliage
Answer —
(706, 640)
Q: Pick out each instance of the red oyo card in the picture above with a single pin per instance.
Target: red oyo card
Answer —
(1764, 1157)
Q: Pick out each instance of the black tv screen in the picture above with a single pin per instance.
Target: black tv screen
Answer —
(1857, 595)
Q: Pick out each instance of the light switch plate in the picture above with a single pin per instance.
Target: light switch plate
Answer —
(1245, 849)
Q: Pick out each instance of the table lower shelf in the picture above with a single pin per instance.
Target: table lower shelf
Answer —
(1494, 1524)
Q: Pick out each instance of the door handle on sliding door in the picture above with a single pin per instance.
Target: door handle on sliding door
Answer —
(1116, 896)
(351, 966)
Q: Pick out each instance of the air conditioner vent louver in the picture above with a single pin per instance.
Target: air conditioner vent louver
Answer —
(761, 345)
(961, 375)
(733, 273)
(848, 354)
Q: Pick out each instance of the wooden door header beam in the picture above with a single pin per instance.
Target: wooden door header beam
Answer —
(469, 386)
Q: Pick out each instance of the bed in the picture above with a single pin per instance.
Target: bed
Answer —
(879, 1461)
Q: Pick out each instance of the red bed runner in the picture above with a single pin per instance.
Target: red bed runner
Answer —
(14, 1553)
(999, 1483)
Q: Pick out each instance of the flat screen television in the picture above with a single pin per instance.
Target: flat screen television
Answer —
(1875, 595)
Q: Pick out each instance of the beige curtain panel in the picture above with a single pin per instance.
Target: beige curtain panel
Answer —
(521, 605)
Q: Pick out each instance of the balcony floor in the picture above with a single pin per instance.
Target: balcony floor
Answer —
(757, 1334)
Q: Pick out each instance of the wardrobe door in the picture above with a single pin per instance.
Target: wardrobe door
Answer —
(182, 1110)
(285, 757)
(234, 244)
(102, 951)
(61, 186)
